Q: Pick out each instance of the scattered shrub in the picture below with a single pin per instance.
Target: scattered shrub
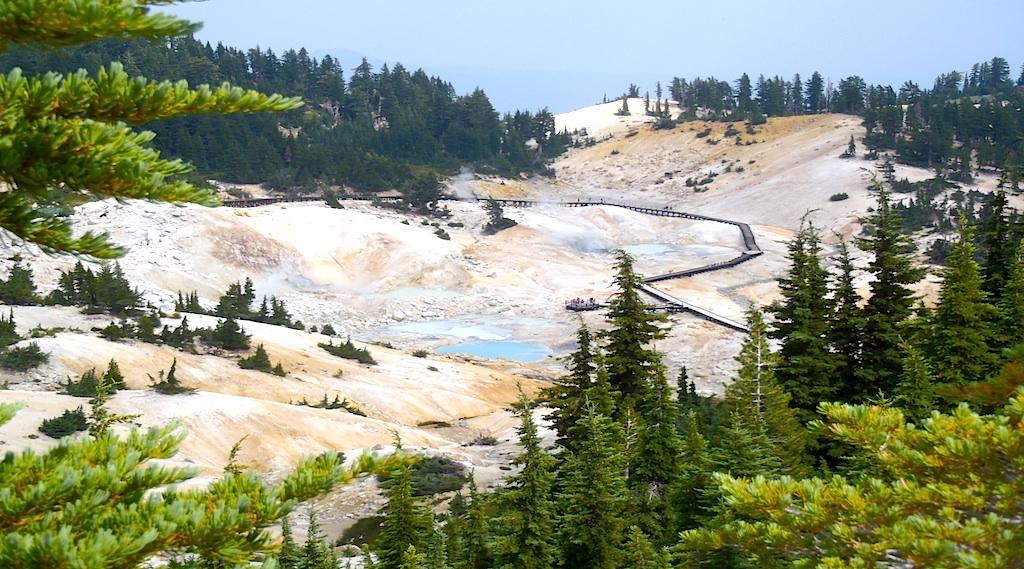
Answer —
(483, 441)
(227, 335)
(328, 330)
(433, 475)
(338, 403)
(67, 423)
(23, 358)
(117, 332)
(731, 130)
(260, 361)
(704, 133)
(86, 385)
(8, 330)
(839, 197)
(441, 233)
(420, 354)
(615, 151)
(168, 383)
(349, 351)
(432, 368)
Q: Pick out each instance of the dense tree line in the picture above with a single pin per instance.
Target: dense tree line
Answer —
(369, 129)
(965, 121)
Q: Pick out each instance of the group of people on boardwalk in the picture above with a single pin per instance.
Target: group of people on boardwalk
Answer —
(582, 304)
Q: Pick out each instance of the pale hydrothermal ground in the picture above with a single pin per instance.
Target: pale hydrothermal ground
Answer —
(382, 275)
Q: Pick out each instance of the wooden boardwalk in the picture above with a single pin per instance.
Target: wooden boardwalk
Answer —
(668, 302)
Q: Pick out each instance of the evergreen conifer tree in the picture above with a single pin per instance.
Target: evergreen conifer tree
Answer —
(316, 554)
(407, 523)
(113, 377)
(290, 555)
(8, 330)
(744, 449)
(567, 397)
(592, 501)
(686, 496)
(891, 301)
(1011, 301)
(411, 559)
(19, 287)
(641, 554)
(998, 247)
(915, 393)
(66, 507)
(760, 405)
(844, 325)
(630, 357)
(437, 550)
(656, 463)
(54, 111)
(524, 530)
(229, 335)
(960, 336)
(475, 553)
(806, 366)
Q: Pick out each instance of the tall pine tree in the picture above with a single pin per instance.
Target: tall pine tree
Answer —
(593, 501)
(844, 325)
(891, 301)
(806, 366)
(960, 338)
(630, 356)
(758, 404)
(524, 531)
(407, 523)
(567, 397)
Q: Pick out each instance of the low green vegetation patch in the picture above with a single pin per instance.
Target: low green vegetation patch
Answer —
(67, 423)
(168, 384)
(349, 351)
(433, 475)
(260, 361)
(338, 403)
(88, 382)
(23, 358)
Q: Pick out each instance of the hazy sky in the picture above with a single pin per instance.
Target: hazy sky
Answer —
(567, 54)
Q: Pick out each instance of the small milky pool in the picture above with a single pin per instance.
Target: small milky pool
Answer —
(525, 352)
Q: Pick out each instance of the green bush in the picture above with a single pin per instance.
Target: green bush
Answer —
(168, 383)
(420, 354)
(8, 330)
(228, 335)
(116, 332)
(433, 475)
(441, 233)
(67, 423)
(349, 351)
(338, 403)
(260, 361)
(23, 358)
(838, 197)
